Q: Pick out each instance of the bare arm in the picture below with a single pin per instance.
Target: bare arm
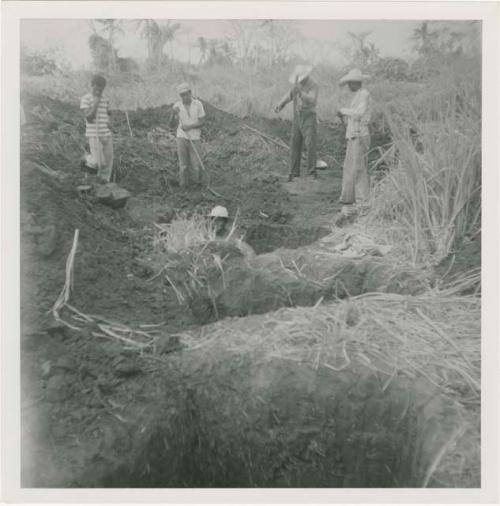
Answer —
(284, 101)
(196, 124)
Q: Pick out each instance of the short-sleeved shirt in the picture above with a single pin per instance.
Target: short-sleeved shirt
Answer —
(188, 115)
(100, 126)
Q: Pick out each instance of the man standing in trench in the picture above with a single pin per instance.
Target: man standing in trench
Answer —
(304, 96)
(355, 179)
(189, 114)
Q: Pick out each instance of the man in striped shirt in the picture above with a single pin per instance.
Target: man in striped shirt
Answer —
(95, 107)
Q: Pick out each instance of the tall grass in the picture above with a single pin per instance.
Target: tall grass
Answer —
(431, 199)
(234, 89)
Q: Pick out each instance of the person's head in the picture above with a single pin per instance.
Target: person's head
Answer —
(354, 85)
(354, 79)
(185, 93)
(301, 74)
(97, 84)
(219, 218)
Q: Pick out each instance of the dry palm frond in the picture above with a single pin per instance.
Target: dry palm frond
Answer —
(68, 283)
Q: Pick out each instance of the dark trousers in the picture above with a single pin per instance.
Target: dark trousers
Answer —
(303, 134)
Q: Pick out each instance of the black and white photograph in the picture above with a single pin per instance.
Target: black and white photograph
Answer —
(250, 252)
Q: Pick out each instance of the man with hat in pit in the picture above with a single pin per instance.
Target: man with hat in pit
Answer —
(189, 115)
(355, 179)
(304, 96)
(225, 230)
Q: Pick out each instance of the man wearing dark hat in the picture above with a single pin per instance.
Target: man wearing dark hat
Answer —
(304, 96)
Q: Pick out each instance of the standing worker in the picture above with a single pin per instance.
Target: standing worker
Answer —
(95, 107)
(304, 96)
(189, 114)
(355, 179)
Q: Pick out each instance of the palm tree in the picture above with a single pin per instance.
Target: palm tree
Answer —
(111, 27)
(424, 39)
(157, 35)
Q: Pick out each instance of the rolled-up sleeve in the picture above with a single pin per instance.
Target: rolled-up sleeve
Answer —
(201, 111)
(85, 102)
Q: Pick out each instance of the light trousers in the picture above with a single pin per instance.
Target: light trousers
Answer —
(101, 149)
(355, 179)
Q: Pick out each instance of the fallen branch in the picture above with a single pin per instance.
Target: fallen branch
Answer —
(282, 144)
(267, 137)
(68, 284)
(49, 172)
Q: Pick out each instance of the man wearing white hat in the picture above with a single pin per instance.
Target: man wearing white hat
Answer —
(355, 180)
(304, 96)
(189, 114)
(220, 223)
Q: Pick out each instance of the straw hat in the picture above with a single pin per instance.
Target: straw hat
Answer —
(183, 88)
(219, 212)
(300, 73)
(354, 75)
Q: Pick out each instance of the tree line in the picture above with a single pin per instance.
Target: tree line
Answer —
(262, 44)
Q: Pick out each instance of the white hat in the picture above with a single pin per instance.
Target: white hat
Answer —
(300, 73)
(219, 212)
(354, 75)
(183, 88)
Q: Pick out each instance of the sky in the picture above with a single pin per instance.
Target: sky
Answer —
(70, 36)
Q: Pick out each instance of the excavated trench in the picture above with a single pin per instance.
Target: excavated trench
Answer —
(283, 426)
(290, 269)
(232, 419)
(264, 238)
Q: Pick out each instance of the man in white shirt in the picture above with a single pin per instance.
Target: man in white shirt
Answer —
(355, 179)
(189, 115)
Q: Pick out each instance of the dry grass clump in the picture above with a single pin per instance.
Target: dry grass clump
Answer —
(431, 199)
(434, 335)
(183, 233)
(193, 253)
